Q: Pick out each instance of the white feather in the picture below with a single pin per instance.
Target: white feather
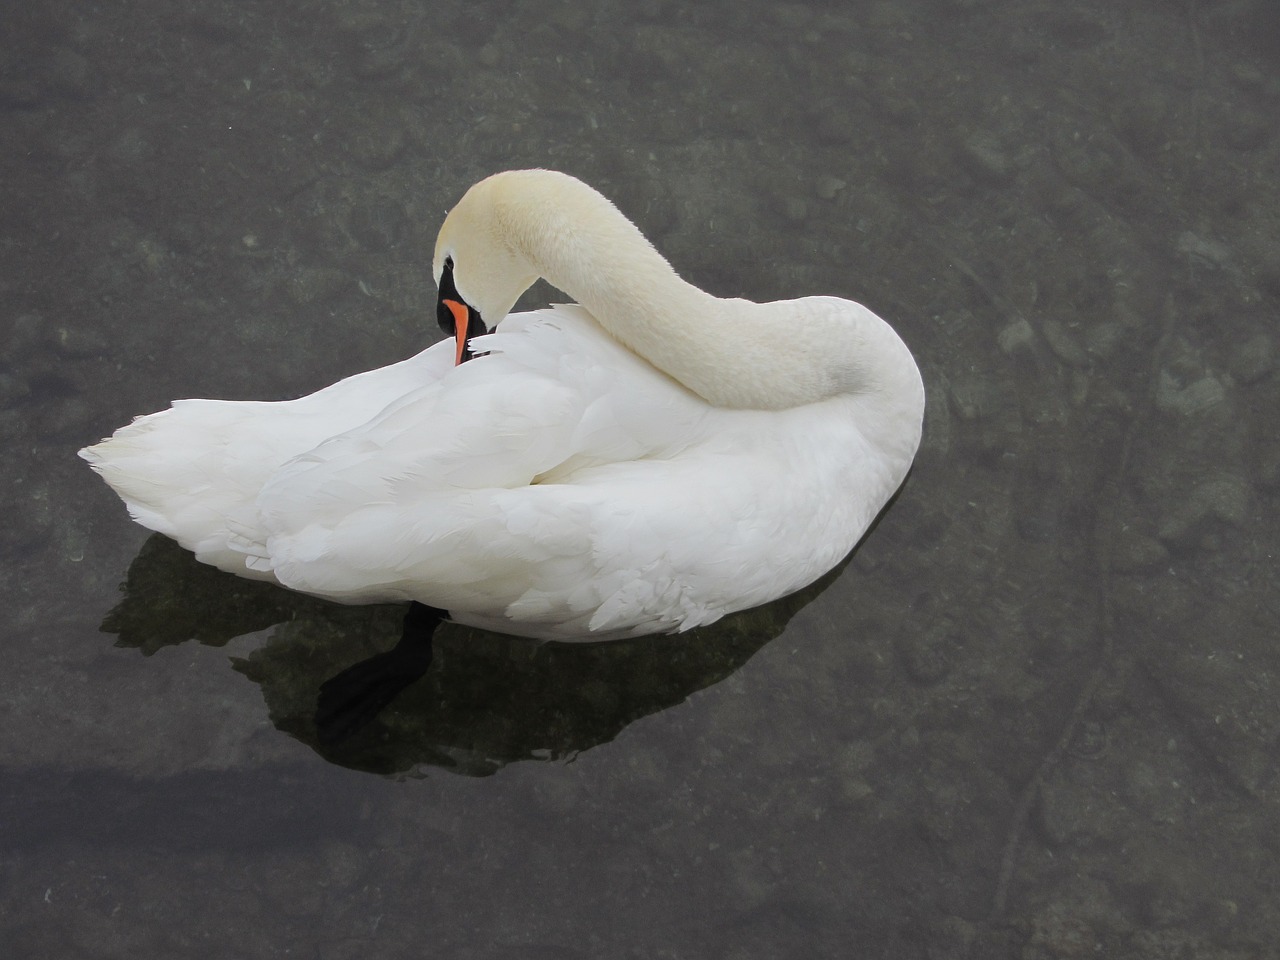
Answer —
(558, 486)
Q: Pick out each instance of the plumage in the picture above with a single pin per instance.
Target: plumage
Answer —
(647, 461)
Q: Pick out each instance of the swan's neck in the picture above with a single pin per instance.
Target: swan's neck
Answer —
(593, 253)
(733, 353)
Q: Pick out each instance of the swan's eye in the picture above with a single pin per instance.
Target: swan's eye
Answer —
(446, 269)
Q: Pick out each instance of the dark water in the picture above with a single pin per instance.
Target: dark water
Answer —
(1037, 716)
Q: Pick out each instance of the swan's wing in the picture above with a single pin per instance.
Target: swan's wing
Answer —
(760, 507)
(403, 500)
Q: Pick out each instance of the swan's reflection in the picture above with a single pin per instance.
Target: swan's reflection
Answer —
(486, 699)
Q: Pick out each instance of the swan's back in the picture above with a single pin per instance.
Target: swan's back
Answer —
(558, 486)
(562, 487)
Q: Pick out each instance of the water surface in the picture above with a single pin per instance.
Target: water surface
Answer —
(1036, 716)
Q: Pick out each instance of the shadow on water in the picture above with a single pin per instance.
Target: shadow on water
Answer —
(487, 699)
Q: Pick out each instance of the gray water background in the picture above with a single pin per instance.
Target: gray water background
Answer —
(1036, 716)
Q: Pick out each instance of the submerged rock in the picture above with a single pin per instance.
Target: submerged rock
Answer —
(1207, 253)
(1223, 497)
(1198, 397)
(1016, 337)
(985, 158)
(1253, 359)
(1064, 344)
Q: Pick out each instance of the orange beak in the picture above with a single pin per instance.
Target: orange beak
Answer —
(460, 317)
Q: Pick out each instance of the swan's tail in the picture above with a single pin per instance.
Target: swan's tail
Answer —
(192, 472)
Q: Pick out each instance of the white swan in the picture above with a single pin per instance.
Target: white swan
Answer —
(647, 461)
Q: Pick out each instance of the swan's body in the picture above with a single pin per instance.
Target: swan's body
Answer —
(646, 462)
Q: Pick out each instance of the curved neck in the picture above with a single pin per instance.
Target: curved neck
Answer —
(732, 353)
(583, 245)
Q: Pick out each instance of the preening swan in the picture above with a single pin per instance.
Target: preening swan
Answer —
(646, 460)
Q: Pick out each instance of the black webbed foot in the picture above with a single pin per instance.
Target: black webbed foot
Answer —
(350, 700)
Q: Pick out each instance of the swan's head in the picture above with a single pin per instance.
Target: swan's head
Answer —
(479, 272)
